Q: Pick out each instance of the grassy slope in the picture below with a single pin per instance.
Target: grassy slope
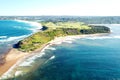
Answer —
(55, 30)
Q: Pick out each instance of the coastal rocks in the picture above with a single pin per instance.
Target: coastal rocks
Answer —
(44, 28)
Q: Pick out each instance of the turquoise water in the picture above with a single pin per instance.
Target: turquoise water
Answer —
(90, 58)
(83, 60)
(12, 31)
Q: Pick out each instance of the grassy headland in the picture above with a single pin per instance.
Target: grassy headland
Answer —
(51, 30)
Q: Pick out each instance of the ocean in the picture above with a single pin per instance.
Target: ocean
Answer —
(11, 31)
(89, 58)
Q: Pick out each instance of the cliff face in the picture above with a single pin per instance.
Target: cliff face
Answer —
(38, 39)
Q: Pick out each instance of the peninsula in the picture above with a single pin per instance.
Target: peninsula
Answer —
(51, 30)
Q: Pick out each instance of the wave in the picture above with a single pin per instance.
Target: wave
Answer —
(103, 37)
(2, 37)
(19, 27)
(29, 61)
(51, 48)
(58, 43)
(13, 38)
(35, 25)
(17, 73)
(26, 63)
(26, 28)
(68, 41)
(52, 57)
(46, 47)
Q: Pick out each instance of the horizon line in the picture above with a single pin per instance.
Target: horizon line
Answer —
(66, 15)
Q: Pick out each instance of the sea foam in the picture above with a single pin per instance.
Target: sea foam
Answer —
(52, 57)
(103, 37)
(51, 48)
(35, 25)
(17, 73)
(30, 60)
(13, 38)
(2, 37)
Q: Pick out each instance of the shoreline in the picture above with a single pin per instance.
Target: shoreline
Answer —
(19, 56)
(35, 25)
(5, 61)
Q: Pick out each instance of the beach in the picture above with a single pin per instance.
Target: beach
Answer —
(15, 57)
(11, 58)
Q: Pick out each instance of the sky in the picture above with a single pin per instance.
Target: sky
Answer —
(60, 7)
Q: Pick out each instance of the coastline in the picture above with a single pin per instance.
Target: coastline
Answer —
(35, 28)
(15, 57)
(10, 57)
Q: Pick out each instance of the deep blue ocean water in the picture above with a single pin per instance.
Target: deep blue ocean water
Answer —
(12, 31)
(90, 58)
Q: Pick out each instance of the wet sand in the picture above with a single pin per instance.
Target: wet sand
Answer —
(11, 58)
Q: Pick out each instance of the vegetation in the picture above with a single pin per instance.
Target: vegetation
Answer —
(56, 29)
(69, 24)
(85, 19)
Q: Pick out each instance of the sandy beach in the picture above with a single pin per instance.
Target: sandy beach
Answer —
(11, 58)
(15, 57)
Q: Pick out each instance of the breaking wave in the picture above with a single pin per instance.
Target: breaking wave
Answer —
(103, 37)
(35, 25)
(29, 61)
(52, 57)
(13, 38)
